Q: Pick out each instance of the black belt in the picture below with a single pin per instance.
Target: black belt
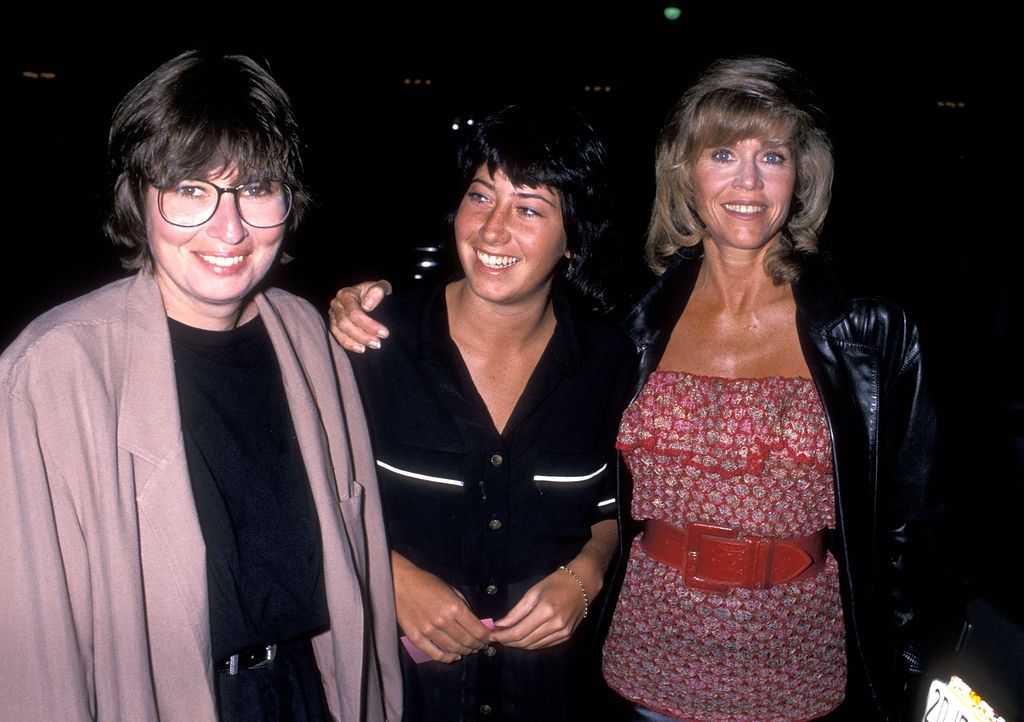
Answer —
(248, 658)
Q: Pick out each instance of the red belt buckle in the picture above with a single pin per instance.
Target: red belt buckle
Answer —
(699, 538)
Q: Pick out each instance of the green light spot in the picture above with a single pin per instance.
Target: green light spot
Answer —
(672, 12)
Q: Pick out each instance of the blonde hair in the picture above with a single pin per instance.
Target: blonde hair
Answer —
(734, 100)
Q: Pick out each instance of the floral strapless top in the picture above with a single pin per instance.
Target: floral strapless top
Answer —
(755, 455)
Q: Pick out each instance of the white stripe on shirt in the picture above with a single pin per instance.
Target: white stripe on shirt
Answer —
(563, 479)
(414, 475)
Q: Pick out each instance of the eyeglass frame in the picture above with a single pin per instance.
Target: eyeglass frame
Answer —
(220, 193)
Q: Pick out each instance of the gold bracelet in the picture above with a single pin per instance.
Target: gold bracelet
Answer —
(586, 599)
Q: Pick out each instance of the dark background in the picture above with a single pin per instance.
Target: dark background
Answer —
(925, 205)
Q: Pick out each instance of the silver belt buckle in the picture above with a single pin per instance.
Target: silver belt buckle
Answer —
(269, 659)
(271, 653)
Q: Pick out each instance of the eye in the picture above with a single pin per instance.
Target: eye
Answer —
(191, 189)
(475, 197)
(255, 190)
(721, 155)
(530, 212)
(774, 157)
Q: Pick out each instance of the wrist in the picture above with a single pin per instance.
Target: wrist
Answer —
(581, 585)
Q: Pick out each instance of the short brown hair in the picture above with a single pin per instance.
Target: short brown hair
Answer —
(194, 115)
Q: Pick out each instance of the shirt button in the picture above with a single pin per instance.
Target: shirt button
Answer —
(485, 709)
(490, 651)
(491, 589)
(494, 524)
(496, 461)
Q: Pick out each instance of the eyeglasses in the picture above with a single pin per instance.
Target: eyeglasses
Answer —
(189, 203)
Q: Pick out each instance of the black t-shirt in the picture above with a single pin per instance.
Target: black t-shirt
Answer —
(264, 557)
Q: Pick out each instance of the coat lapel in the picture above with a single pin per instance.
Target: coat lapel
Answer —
(149, 429)
(320, 428)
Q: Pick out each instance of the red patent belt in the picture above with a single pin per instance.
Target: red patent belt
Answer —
(716, 558)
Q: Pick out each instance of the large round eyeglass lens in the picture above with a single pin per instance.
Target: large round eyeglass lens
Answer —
(188, 203)
(192, 203)
(264, 204)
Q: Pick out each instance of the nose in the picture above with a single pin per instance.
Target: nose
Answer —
(226, 225)
(748, 176)
(495, 226)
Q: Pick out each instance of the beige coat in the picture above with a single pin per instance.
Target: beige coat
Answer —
(103, 599)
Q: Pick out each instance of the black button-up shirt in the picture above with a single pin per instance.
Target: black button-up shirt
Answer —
(492, 513)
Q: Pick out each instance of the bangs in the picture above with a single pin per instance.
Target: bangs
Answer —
(196, 153)
(222, 116)
(522, 172)
(525, 152)
(725, 117)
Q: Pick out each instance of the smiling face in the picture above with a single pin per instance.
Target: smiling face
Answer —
(744, 191)
(206, 273)
(510, 238)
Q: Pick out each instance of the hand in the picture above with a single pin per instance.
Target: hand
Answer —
(547, 614)
(349, 323)
(434, 615)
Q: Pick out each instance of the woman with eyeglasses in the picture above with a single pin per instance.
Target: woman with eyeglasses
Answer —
(193, 527)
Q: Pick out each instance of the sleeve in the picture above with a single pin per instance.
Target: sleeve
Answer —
(907, 459)
(45, 663)
(606, 505)
(613, 503)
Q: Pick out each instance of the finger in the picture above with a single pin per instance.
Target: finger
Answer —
(374, 294)
(454, 639)
(536, 631)
(443, 643)
(350, 336)
(459, 630)
(471, 632)
(347, 306)
(550, 640)
(346, 327)
(515, 634)
(520, 611)
(432, 651)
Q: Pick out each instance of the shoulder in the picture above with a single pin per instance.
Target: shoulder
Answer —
(603, 336)
(405, 309)
(884, 325)
(292, 307)
(68, 334)
(872, 330)
(874, 321)
(406, 315)
(392, 367)
(870, 320)
(294, 322)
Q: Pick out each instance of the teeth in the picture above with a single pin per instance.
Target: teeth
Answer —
(496, 261)
(224, 261)
(736, 208)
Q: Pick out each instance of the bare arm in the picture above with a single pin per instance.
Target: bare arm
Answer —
(552, 608)
(349, 322)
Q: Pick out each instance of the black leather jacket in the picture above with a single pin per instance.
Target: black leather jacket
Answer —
(865, 361)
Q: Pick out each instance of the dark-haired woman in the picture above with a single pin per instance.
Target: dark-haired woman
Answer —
(191, 516)
(494, 410)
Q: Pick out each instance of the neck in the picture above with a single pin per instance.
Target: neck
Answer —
(736, 278)
(494, 325)
(206, 316)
